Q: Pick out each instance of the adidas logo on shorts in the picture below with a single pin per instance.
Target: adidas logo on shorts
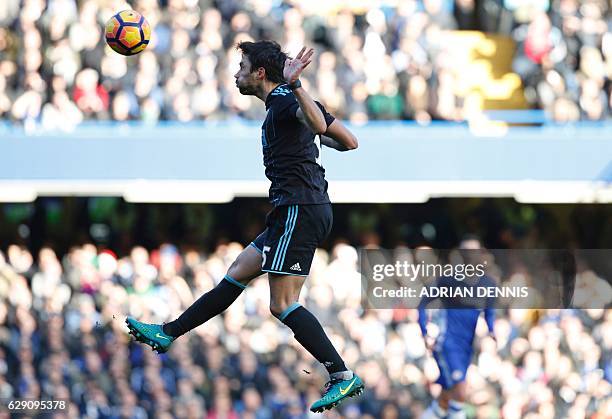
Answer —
(295, 267)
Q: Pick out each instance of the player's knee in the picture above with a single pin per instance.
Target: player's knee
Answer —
(235, 272)
(276, 310)
(444, 399)
(279, 307)
(459, 393)
(460, 397)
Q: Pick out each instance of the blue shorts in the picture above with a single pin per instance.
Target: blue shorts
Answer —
(292, 234)
(453, 360)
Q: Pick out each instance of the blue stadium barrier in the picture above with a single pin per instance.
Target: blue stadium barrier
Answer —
(396, 151)
(528, 116)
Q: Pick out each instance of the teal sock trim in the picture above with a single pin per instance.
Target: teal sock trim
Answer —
(233, 281)
(288, 311)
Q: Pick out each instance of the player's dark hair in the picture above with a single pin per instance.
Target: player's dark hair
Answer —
(266, 54)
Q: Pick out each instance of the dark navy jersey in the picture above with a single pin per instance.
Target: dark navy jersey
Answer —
(291, 152)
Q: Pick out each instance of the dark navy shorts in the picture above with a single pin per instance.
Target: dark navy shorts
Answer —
(292, 234)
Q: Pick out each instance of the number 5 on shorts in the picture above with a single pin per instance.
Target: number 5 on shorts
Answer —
(265, 250)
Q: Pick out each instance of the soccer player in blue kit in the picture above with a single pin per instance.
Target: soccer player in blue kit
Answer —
(452, 348)
(301, 219)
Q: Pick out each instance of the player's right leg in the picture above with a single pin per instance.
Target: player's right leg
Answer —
(438, 409)
(246, 267)
(453, 361)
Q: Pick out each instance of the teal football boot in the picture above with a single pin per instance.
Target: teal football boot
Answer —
(336, 391)
(150, 334)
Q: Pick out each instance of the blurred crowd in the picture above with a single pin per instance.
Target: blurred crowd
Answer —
(62, 335)
(375, 60)
(565, 60)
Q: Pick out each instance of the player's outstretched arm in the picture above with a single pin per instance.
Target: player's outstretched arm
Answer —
(292, 71)
(339, 137)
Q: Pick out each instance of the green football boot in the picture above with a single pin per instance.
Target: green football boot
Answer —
(336, 390)
(150, 334)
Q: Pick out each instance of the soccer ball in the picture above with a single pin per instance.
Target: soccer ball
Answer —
(128, 32)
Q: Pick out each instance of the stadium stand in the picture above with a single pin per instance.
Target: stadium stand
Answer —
(62, 304)
(62, 336)
(376, 60)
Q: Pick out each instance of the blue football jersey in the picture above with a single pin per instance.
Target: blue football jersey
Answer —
(458, 322)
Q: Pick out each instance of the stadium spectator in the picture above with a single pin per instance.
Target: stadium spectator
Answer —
(62, 335)
(385, 62)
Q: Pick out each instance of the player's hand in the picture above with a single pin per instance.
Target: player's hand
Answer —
(294, 67)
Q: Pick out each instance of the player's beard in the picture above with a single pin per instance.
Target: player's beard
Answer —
(246, 89)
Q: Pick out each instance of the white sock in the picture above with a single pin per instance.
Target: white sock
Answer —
(343, 375)
(434, 411)
(455, 410)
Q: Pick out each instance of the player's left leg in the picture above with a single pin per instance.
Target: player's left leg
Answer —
(343, 383)
(457, 396)
(458, 364)
(295, 231)
(453, 359)
(448, 405)
(438, 408)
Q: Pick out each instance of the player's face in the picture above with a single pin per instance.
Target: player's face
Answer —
(246, 80)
